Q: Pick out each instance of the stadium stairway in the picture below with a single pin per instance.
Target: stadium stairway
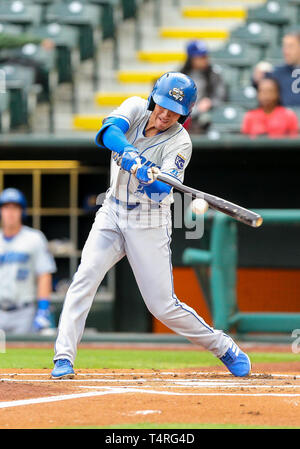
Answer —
(157, 47)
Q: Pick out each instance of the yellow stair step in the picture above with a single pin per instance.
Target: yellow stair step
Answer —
(161, 56)
(85, 122)
(134, 76)
(115, 98)
(214, 13)
(193, 33)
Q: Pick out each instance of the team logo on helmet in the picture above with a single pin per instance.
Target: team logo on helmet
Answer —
(177, 93)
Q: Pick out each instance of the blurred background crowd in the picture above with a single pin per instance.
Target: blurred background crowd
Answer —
(65, 64)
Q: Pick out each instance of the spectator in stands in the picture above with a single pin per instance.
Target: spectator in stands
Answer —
(260, 70)
(210, 85)
(283, 74)
(9, 42)
(270, 118)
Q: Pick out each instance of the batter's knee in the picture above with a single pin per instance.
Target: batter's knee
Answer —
(163, 312)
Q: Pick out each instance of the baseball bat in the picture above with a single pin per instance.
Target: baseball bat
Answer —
(239, 213)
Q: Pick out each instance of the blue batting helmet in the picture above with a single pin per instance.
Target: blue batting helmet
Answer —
(12, 195)
(176, 92)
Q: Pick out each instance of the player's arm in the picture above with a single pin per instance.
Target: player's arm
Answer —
(174, 165)
(44, 286)
(155, 190)
(44, 267)
(43, 316)
(112, 133)
(112, 136)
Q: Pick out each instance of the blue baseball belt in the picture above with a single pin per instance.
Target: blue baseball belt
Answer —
(131, 206)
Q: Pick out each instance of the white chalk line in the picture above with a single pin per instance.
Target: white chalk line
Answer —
(178, 383)
(163, 373)
(43, 400)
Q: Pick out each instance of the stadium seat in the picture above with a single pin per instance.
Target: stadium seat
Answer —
(47, 62)
(129, 9)
(292, 29)
(19, 82)
(227, 118)
(244, 96)
(274, 55)
(4, 103)
(108, 16)
(19, 12)
(66, 39)
(230, 75)
(257, 33)
(86, 18)
(274, 12)
(236, 53)
(10, 28)
(109, 12)
(296, 4)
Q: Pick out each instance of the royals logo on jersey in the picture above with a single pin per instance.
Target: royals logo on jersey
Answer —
(176, 93)
(179, 161)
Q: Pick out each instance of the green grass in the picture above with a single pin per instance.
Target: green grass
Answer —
(127, 359)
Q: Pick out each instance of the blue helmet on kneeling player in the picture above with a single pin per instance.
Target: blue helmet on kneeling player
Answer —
(11, 195)
(176, 92)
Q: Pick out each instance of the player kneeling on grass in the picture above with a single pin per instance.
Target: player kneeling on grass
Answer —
(135, 220)
(25, 270)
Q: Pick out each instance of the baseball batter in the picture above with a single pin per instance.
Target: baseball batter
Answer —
(25, 270)
(135, 221)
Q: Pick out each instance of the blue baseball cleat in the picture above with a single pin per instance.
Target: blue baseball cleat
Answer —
(63, 369)
(236, 361)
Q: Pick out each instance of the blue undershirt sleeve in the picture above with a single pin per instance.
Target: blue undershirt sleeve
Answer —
(112, 134)
(157, 191)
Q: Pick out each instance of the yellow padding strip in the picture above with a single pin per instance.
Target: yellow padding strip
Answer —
(115, 98)
(138, 77)
(87, 122)
(214, 13)
(193, 33)
(21, 165)
(161, 56)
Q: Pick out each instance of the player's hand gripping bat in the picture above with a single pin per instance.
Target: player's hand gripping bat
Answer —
(239, 213)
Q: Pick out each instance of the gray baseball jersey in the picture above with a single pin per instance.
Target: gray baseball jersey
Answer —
(170, 151)
(22, 259)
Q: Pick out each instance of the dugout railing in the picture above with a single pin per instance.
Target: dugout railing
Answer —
(216, 269)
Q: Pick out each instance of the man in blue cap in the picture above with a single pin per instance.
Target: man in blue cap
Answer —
(210, 85)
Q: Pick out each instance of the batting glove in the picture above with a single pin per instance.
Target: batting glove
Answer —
(130, 159)
(43, 318)
(147, 175)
